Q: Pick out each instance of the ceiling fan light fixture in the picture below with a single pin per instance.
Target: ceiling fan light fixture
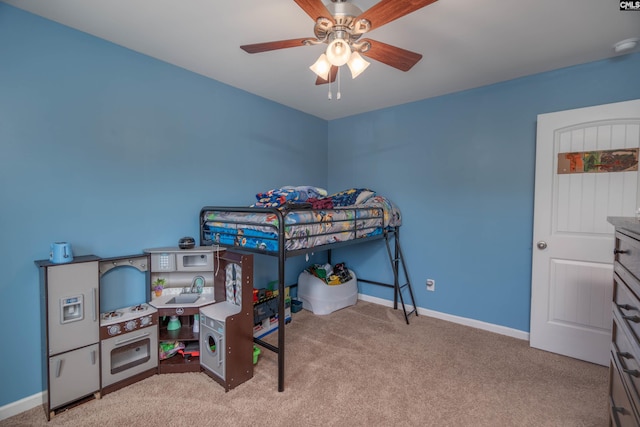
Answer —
(322, 67)
(338, 52)
(357, 64)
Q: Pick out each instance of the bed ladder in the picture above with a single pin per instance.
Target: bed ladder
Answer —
(397, 260)
(398, 265)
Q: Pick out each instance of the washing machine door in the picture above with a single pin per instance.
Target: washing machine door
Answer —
(212, 351)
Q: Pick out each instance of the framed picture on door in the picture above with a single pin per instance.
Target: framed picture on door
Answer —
(621, 160)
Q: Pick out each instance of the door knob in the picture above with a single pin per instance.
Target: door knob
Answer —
(542, 245)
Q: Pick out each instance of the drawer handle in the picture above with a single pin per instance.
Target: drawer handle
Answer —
(633, 372)
(621, 251)
(626, 307)
(619, 409)
(634, 319)
(624, 355)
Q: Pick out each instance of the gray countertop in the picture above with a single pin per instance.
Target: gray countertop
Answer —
(221, 310)
(206, 298)
(627, 223)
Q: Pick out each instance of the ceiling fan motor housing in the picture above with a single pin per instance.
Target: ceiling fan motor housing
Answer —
(344, 14)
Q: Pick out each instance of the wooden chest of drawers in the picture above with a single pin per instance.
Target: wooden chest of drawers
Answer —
(624, 374)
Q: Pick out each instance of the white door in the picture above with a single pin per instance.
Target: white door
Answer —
(572, 273)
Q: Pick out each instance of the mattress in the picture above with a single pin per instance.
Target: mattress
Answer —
(259, 228)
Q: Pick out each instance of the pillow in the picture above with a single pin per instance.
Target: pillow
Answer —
(278, 197)
(305, 192)
(352, 196)
(275, 198)
(392, 215)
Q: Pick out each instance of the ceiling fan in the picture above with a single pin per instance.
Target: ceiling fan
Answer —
(341, 24)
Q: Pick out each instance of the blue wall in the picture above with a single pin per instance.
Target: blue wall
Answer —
(461, 167)
(116, 152)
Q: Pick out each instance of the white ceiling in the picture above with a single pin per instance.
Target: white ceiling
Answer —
(465, 44)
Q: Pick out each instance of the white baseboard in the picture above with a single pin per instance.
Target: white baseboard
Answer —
(19, 406)
(502, 330)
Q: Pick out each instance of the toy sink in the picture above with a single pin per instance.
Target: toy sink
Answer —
(184, 299)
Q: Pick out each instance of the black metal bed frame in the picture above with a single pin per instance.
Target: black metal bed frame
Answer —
(396, 259)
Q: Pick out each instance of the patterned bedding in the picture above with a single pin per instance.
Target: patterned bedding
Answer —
(303, 227)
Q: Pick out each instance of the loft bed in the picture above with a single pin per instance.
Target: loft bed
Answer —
(292, 225)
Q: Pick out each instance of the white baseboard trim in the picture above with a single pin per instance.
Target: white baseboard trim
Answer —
(19, 406)
(502, 330)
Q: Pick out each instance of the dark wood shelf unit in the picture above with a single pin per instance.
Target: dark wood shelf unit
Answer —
(178, 363)
(239, 326)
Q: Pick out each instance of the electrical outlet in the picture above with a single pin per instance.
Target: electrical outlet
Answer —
(431, 285)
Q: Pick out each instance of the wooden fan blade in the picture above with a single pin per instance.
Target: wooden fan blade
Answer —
(315, 9)
(394, 56)
(280, 44)
(390, 10)
(332, 76)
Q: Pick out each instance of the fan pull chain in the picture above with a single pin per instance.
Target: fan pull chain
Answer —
(338, 96)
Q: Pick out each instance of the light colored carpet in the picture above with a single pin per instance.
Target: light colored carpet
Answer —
(364, 366)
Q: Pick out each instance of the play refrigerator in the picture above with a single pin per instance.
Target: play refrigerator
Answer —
(70, 315)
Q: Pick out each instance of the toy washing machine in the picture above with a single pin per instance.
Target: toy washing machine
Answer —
(212, 344)
(213, 337)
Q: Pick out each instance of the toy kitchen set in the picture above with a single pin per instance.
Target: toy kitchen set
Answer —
(103, 328)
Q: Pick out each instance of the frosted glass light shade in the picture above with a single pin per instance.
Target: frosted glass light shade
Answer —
(322, 67)
(357, 64)
(338, 52)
